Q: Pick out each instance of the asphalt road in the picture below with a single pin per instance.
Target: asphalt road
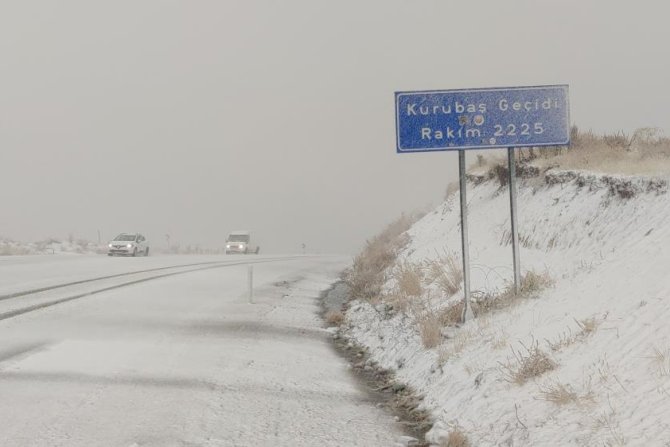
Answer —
(178, 360)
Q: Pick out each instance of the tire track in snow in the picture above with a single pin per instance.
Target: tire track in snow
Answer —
(207, 266)
(99, 278)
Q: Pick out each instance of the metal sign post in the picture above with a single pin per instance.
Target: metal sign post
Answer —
(250, 281)
(467, 309)
(515, 228)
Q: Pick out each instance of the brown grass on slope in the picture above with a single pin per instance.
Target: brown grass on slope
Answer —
(645, 152)
(366, 277)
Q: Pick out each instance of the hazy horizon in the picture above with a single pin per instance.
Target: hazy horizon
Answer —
(196, 119)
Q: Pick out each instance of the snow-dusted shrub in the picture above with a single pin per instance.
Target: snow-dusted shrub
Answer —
(408, 278)
(526, 364)
(532, 283)
(430, 329)
(452, 314)
(334, 318)
(446, 272)
(562, 394)
(456, 438)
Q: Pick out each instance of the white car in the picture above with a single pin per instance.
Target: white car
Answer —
(128, 244)
(240, 242)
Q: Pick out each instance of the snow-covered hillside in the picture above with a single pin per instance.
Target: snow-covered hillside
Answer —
(603, 325)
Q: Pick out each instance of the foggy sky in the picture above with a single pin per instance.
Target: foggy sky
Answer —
(195, 118)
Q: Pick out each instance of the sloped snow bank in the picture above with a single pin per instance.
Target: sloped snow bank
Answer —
(604, 241)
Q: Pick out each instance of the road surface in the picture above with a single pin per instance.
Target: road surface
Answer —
(99, 351)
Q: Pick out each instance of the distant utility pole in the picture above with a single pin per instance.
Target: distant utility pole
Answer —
(167, 238)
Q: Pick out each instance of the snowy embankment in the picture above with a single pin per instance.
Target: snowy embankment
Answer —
(603, 325)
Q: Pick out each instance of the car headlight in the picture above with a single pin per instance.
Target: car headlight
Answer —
(109, 245)
(129, 245)
(241, 246)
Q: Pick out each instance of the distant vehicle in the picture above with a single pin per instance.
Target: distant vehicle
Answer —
(128, 244)
(240, 242)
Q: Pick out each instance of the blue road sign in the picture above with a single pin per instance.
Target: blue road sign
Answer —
(482, 118)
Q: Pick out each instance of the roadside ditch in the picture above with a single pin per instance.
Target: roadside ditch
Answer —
(381, 384)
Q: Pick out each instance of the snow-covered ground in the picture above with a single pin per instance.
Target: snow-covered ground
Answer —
(52, 246)
(604, 240)
(184, 360)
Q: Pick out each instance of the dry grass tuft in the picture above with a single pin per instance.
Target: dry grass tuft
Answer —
(661, 359)
(443, 355)
(461, 340)
(334, 318)
(447, 273)
(587, 327)
(456, 438)
(399, 303)
(559, 393)
(409, 277)
(472, 368)
(500, 340)
(563, 394)
(430, 330)
(609, 420)
(451, 315)
(526, 364)
(564, 340)
(367, 274)
(499, 172)
(532, 284)
(455, 346)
